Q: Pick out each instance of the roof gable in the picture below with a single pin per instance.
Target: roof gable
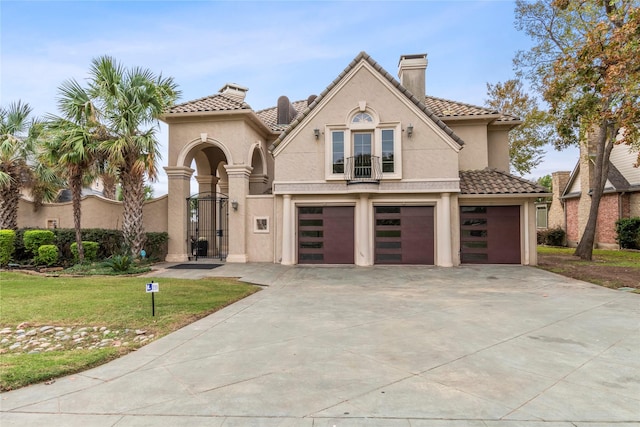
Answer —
(363, 58)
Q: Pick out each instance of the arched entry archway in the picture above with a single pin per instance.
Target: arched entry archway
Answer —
(202, 216)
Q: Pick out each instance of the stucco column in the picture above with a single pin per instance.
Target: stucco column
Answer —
(179, 188)
(444, 258)
(207, 183)
(287, 231)
(238, 177)
(363, 241)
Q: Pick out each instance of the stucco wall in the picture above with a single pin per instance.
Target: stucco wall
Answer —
(475, 154)
(260, 242)
(97, 212)
(498, 145)
(425, 155)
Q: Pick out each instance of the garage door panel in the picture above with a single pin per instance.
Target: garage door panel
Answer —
(404, 235)
(490, 234)
(326, 235)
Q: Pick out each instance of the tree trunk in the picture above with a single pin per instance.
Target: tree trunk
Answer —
(109, 183)
(604, 145)
(75, 182)
(133, 201)
(9, 197)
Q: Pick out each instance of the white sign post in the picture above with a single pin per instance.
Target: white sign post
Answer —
(152, 288)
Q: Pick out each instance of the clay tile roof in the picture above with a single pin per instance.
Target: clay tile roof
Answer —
(269, 116)
(445, 108)
(217, 102)
(491, 181)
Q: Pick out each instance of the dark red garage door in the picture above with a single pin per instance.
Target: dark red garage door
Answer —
(326, 235)
(490, 234)
(404, 235)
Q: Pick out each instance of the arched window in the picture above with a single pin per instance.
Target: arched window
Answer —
(362, 118)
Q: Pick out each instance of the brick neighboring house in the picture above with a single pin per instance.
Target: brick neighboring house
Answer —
(572, 200)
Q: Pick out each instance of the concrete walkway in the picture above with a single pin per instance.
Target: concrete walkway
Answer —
(477, 346)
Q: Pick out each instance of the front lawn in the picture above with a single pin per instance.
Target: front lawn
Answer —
(113, 310)
(611, 268)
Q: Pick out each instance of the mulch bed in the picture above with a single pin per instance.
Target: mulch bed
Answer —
(611, 277)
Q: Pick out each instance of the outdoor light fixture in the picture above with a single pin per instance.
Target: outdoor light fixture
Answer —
(234, 205)
(410, 130)
(316, 133)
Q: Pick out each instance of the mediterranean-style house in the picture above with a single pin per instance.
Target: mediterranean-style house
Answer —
(572, 196)
(370, 171)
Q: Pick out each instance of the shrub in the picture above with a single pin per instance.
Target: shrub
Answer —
(33, 239)
(47, 255)
(156, 246)
(628, 232)
(119, 263)
(7, 246)
(90, 250)
(552, 237)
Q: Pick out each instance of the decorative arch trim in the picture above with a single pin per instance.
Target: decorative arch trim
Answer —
(263, 158)
(182, 157)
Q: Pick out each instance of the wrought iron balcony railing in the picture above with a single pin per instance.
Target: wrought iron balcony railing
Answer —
(363, 168)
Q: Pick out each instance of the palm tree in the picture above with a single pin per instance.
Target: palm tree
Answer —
(18, 166)
(130, 101)
(70, 145)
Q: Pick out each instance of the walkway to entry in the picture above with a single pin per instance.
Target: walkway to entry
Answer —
(497, 346)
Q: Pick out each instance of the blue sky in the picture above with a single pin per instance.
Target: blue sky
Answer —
(293, 48)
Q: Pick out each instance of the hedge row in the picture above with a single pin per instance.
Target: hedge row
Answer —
(110, 242)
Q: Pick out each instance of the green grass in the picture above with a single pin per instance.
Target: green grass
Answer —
(114, 302)
(611, 258)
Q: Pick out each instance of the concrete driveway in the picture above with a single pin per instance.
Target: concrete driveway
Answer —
(492, 346)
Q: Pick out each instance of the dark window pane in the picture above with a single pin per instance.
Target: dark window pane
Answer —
(388, 245)
(311, 245)
(311, 233)
(312, 257)
(388, 233)
(394, 222)
(474, 245)
(474, 233)
(310, 223)
(387, 209)
(389, 257)
(475, 221)
(475, 257)
(473, 209)
(311, 210)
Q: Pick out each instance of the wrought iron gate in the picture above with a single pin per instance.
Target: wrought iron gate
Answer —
(208, 225)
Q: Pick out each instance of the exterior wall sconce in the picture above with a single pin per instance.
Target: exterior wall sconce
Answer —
(234, 205)
(410, 130)
(316, 133)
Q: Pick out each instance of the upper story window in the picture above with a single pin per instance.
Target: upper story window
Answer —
(362, 118)
(363, 148)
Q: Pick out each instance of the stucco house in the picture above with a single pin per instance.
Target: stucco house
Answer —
(571, 200)
(370, 171)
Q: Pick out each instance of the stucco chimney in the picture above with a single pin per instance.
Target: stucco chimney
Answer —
(286, 111)
(412, 73)
(234, 90)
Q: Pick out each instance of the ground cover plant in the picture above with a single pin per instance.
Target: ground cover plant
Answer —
(610, 268)
(76, 323)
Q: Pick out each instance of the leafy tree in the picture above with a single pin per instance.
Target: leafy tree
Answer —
(70, 146)
(130, 102)
(547, 182)
(526, 140)
(19, 169)
(586, 64)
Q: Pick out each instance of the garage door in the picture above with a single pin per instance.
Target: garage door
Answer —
(404, 235)
(490, 234)
(326, 235)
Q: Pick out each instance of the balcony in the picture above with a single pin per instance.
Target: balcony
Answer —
(363, 169)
